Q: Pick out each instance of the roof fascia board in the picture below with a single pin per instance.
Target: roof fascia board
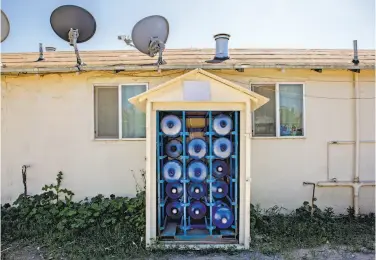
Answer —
(174, 67)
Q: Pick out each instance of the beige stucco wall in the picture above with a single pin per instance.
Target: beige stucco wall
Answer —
(48, 122)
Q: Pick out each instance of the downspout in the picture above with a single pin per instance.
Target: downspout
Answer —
(355, 184)
(357, 129)
(357, 143)
(313, 195)
(357, 126)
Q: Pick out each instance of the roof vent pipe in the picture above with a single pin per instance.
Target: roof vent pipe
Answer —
(221, 46)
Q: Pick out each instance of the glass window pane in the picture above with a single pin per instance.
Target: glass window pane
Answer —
(264, 119)
(291, 109)
(106, 112)
(133, 120)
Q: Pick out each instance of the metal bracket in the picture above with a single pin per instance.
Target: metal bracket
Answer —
(118, 71)
(41, 57)
(157, 46)
(73, 36)
(128, 41)
(355, 70)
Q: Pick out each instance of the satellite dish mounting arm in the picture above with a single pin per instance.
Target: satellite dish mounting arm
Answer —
(156, 46)
(128, 41)
(73, 36)
(41, 57)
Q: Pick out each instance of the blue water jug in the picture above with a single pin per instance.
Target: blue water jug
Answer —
(219, 189)
(197, 210)
(197, 171)
(197, 148)
(222, 147)
(171, 125)
(219, 204)
(222, 124)
(197, 190)
(223, 217)
(172, 171)
(174, 190)
(220, 169)
(174, 148)
(174, 210)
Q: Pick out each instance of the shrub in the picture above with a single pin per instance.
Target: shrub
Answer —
(53, 215)
(273, 231)
(115, 226)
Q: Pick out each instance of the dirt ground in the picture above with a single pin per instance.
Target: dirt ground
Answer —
(35, 253)
(297, 254)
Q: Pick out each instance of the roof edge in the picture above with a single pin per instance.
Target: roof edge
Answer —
(72, 69)
(257, 100)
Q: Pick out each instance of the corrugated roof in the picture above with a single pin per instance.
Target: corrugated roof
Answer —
(188, 59)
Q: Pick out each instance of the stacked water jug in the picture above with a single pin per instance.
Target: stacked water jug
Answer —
(197, 177)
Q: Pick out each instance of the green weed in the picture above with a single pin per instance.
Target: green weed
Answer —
(103, 227)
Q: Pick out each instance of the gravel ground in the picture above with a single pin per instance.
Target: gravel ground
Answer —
(297, 254)
(35, 253)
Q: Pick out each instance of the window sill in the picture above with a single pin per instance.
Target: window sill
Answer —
(279, 137)
(123, 139)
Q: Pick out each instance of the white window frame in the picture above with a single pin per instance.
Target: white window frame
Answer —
(277, 116)
(120, 109)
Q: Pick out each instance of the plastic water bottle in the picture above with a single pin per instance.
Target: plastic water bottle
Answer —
(222, 124)
(171, 125)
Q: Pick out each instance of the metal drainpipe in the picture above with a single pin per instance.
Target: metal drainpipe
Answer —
(357, 126)
(313, 195)
(357, 144)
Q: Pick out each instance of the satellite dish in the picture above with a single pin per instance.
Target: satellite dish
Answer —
(73, 24)
(5, 26)
(66, 17)
(150, 34)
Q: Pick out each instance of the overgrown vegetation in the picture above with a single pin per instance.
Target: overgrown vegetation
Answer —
(100, 227)
(274, 232)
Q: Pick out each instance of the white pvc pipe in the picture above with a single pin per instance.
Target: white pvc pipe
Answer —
(356, 184)
(356, 187)
(357, 127)
(340, 142)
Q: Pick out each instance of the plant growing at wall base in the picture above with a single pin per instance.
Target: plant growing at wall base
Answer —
(114, 226)
(274, 232)
(57, 190)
